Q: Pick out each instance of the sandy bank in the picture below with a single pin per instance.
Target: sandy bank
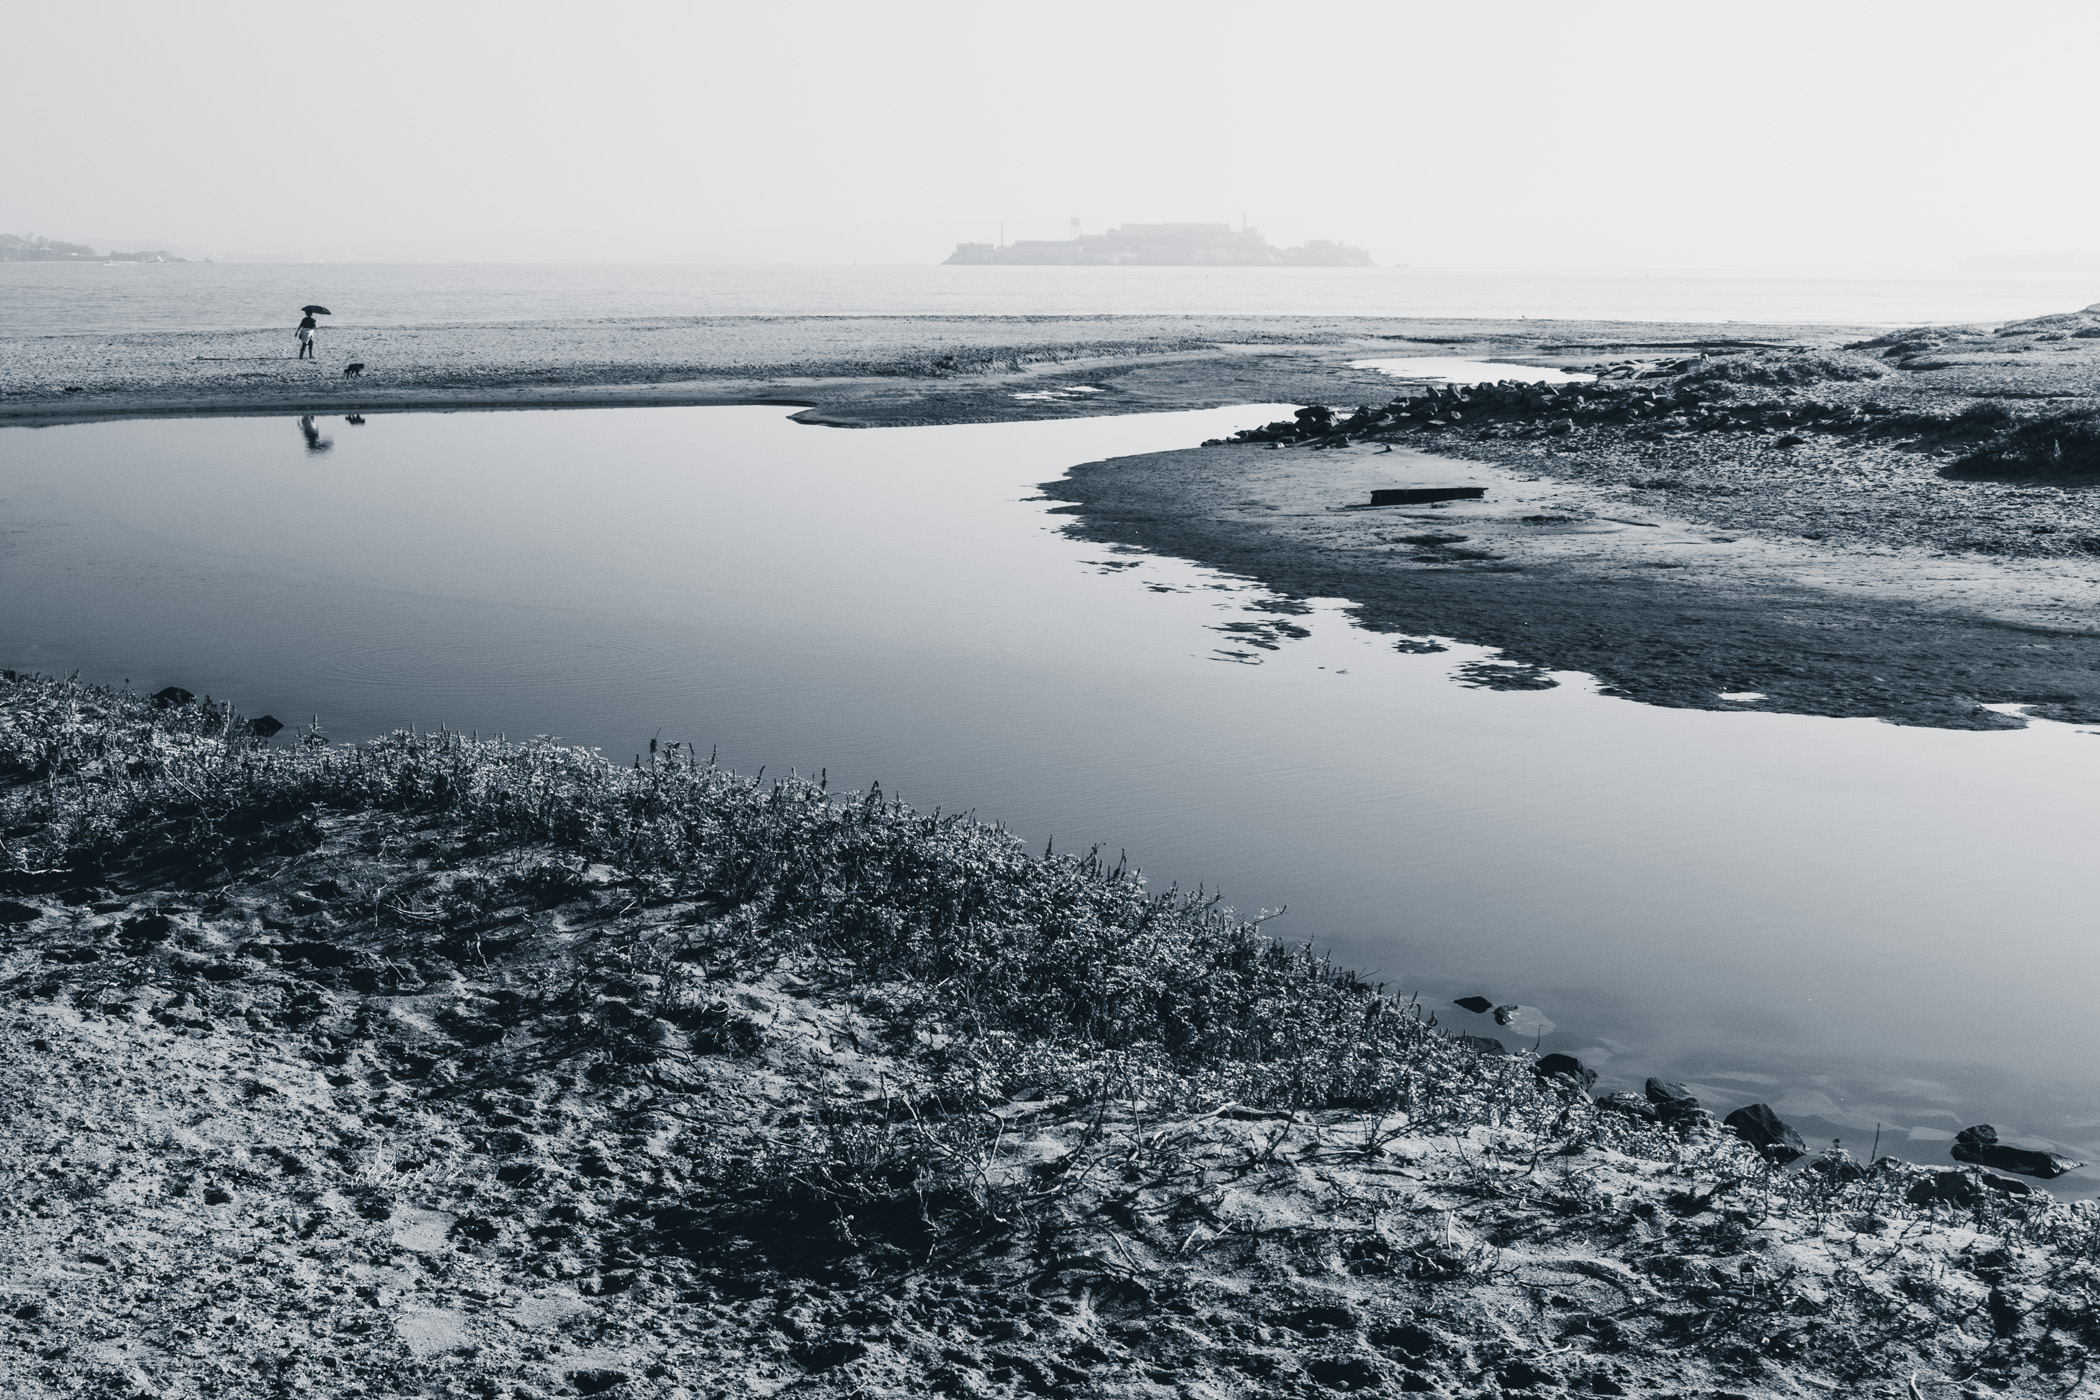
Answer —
(859, 371)
(454, 1067)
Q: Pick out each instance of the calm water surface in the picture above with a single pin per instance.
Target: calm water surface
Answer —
(68, 298)
(1857, 922)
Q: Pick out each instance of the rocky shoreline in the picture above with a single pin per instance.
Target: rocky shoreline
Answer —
(455, 1067)
(1856, 532)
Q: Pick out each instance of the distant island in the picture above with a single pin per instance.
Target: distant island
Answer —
(1159, 245)
(15, 248)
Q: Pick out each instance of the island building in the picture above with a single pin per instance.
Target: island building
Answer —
(1160, 245)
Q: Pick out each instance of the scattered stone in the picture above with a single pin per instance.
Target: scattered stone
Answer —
(1764, 1130)
(1980, 1145)
(1557, 1063)
(1632, 1105)
(1476, 1005)
(172, 696)
(1945, 1188)
(264, 726)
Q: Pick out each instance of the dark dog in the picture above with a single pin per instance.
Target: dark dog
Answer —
(355, 368)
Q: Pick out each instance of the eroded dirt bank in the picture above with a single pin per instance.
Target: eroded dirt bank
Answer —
(443, 1067)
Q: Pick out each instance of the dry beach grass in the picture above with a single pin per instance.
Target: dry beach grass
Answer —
(451, 1066)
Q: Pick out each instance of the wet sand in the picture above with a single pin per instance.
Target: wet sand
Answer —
(855, 371)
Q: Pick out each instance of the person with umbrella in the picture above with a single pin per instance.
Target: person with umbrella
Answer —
(307, 325)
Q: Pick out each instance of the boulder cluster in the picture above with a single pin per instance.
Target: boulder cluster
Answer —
(1684, 405)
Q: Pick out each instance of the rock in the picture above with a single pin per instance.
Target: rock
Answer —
(1675, 1105)
(1485, 1044)
(1764, 1130)
(1476, 1005)
(263, 726)
(596, 1380)
(1556, 1063)
(1980, 1145)
(2009, 1186)
(1838, 1167)
(1944, 1188)
(171, 696)
(12, 912)
(1632, 1105)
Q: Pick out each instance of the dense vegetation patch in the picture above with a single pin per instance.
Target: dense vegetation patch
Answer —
(2052, 447)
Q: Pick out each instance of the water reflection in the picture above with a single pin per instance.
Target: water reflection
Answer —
(315, 443)
(1860, 924)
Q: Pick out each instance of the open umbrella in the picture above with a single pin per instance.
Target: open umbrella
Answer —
(317, 311)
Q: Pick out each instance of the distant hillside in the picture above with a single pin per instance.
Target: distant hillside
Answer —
(15, 248)
(1162, 245)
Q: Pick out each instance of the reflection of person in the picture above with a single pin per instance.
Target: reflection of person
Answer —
(306, 337)
(315, 443)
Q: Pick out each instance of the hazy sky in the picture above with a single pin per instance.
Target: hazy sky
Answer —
(1829, 135)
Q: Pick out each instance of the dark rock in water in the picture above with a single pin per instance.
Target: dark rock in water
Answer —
(171, 696)
(1485, 1044)
(1632, 1105)
(1557, 1063)
(1423, 495)
(1764, 1130)
(1946, 1189)
(1476, 1005)
(264, 726)
(1980, 1145)
(12, 912)
(1506, 1013)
